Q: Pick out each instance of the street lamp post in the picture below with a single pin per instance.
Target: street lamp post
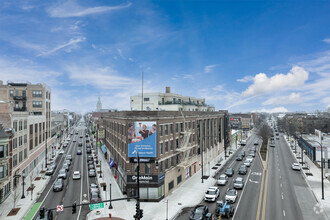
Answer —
(110, 205)
(23, 176)
(100, 170)
(46, 152)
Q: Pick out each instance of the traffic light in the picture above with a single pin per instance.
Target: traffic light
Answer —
(137, 215)
(74, 208)
(141, 213)
(42, 212)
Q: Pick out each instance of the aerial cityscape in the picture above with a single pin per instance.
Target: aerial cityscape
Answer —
(164, 109)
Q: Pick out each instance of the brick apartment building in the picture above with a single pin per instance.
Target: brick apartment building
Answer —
(169, 143)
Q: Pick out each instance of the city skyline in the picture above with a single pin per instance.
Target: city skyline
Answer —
(241, 56)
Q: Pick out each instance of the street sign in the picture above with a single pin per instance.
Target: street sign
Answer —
(59, 208)
(97, 206)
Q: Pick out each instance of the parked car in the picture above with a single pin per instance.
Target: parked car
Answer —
(223, 179)
(91, 173)
(88, 151)
(74, 140)
(247, 163)
(50, 171)
(81, 136)
(254, 149)
(242, 169)
(229, 172)
(94, 188)
(87, 140)
(86, 135)
(95, 197)
(212, 194)
(53, 164)
(68, 162)
(91, 166)
(199, 212)
(65, 167)
(90, 162)
(79, 152)
(65, 144)
(76, 175)
(231, 195)
(62, 174)
(90, 157)
(238, 183)
(58, 185)
(296, 166)
(243, 142)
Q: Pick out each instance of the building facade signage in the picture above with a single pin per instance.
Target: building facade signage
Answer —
(142, 160)
(101, 133)
(143, 179)
(142, 138)
(161, 177)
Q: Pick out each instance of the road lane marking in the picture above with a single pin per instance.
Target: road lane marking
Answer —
(265, 198)
(253, 181)
(281, 185)
(283, 212)
(260, 194)
(282, 196)
(81, 186)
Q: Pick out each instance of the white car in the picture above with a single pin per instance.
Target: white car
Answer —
(247, 163)
(76, 175)
(249, 158)
(61, 152)
(296, 166)
(223, 179)
(212, 194)
(231, 195)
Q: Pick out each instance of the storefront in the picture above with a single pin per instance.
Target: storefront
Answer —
(151, 187)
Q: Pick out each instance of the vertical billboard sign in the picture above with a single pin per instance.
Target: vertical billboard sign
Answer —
(142, 137)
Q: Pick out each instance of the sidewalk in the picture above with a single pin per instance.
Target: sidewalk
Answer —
(189, 194)
(314, 182)
(40, 181)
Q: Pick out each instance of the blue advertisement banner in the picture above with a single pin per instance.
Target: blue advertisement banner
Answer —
(142, 138)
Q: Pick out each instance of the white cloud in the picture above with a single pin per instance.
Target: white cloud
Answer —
(68, 46)
(188, 76)
(131, 59)
(273, 110)
(246, 79)
(209, 68)
(121, 53)
(218, 88)
(72, 9)
(262, 84)
(293, 98)
(327, 40)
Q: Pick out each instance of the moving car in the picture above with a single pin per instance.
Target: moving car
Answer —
(50, 171)
(62, 174)
(249, 158)
(242, 153)
(91, 173)
(58, 185)
(68, 162)
(95, 197)
(243, 142)
(65, 144)
(94, 188)
(80, 144)
(256, 143)
(79, 152)
(251, 153)
(212, 194)
(247, 163)
(296, 166)
(238, 183)
(229, 172)
(76, 175)
(87, 140)
(69, 157)
(242, 169)
(239, 157)
(199, 212)
(231, 195)
(65, 167)
(61, 152)
(223, 179)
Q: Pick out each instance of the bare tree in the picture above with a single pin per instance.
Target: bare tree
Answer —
(264, 132)
(15, 195)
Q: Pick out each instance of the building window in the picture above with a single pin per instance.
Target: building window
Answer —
(161, 166)
(176, 127)
(25, 124)
(147, 168)
(20, 127)
(161, 130)
(2, 172)
(193, 124)
(166, 164)
(166, 147)
(161, 148)
(179, 179)
(166, 129)
(15, 160)
(15, 125)
(177, 143)
(37, 104)
(20, 157)
(146, 99)
(20, 141)
(6, 151)
(181, 126)
(171, 145)
(25, 138)
(15, 143)
(36, 93)
(171, 185)
(2, 151)
(171, 128)
(11, 93)
(25, 153)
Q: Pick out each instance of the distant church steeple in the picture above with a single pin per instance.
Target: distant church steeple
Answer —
(99, 105)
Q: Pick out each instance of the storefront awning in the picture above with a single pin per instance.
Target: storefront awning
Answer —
(104, 149)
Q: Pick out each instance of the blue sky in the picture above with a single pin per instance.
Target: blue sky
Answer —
(239, 55)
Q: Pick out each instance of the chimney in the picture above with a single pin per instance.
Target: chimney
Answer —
(168, 89)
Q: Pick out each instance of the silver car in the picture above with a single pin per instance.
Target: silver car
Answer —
(231, 195)
(62, 174)
(223, 179)
(238, 183)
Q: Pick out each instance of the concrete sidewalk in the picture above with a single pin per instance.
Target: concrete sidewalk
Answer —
(314, 181)
(189, 194)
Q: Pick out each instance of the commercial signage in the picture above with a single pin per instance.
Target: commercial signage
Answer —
(143, 178)
(142, 160)
(142, 138)
(97, 206)
(161, 177)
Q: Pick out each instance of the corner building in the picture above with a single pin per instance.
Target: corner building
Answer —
(170, 146)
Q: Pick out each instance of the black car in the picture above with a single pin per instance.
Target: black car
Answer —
(229, 172)
(58, 185)
(242, 170)
(79, 152)
(80, 144)
(199, 212)
(239, 157)
(87, 140)
(88, 150)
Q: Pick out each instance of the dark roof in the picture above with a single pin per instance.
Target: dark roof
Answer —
(96, 115)
(3, 134)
